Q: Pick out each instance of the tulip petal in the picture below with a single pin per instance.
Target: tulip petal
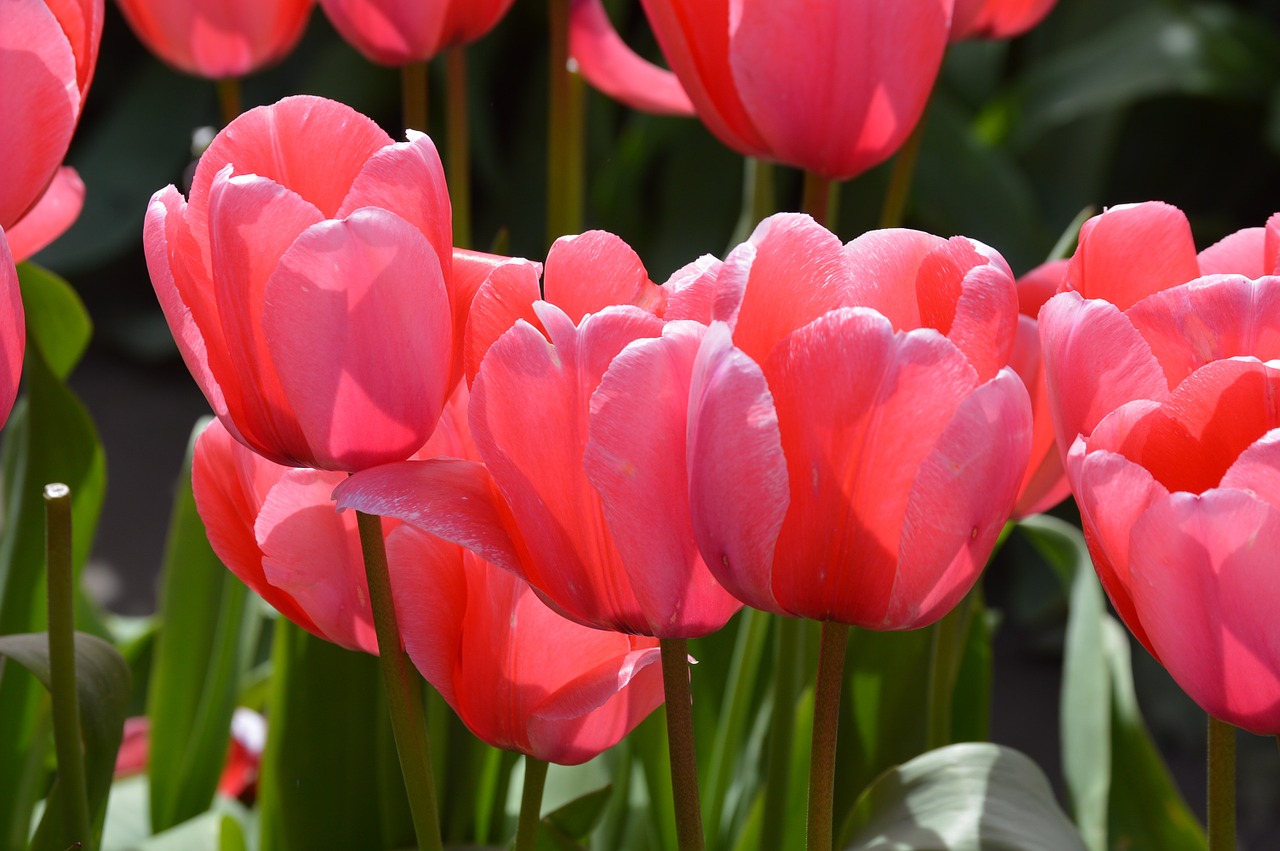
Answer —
(1271, 246)
(972, 300)
(13, 331)
(1239, 253)
(1045, 483)
(312, 553)
(636, 458)
(615, 69)
(1257, 470)
(884, 266)
(358, 324)
(393, 34)
(1204, 584)
(506, 296)
(692, 291)
(429, 587)
(56, 210)
(1131, 251)
(985, 19)
(81, 21)
(591, 271)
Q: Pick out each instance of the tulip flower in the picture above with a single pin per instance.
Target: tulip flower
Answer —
(997, 18)
(398, 32)
(218, 40)
(307, 281)
(244, 752)
(48, 52)
(13, 331)
(604, 59)
(1174, 469)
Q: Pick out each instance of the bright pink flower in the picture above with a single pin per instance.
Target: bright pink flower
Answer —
(857, 445)
(604, 59)
(1170, 412)
(48, 51)
(397, 32)
(997, 18)
(218, 38)
(308, 282)
(581, 494)
(13, 331)
(832, 86)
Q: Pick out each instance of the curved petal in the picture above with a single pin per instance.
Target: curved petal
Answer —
(1039, 285)
(431, 594)
(636, 457)
(615, 69)
(1131, 251)
(1045, 483)
(691, 291)
(57, 210)
(884, 268)
(589, 272)
(506, 296)
(1271, 246)
(358, 325)
(1239, 253)
(13, 331)
(467, 22)
(996, 18)
(1257, 470)
(1205, 567)
(972, 299)
(81, 21)
(390, 32)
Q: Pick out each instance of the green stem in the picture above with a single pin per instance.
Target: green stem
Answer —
(904, 168)
(565, 162)
(535, 780)
(817, 197)
(413, 96)
(1222, 786)
(759, 198)
(62, 664)
(782, 726)
(826, 721)
(404, 689)
(456, 129)
(945, 650)
(684, 763)
(229, 99)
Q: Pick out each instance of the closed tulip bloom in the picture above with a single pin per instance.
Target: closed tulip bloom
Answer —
(1174, 447)
(13, 331)
(308, 284)
(398, 32)
(48, 52)
(218, 40)
(997, 18)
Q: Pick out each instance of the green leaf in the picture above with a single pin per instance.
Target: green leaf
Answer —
(579, 817)
(200, 653)
(103, 687)
(966, 797)
(56, 318)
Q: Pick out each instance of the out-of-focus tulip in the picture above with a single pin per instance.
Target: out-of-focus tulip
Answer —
(308, 283)
(398, 32)
(218, 40)
(48, 51)
(997, 18)
(857, 444)
(604, 59)
(13, 331)
(1169, 412)
(575, 495)
(244, 751)
(833, 87)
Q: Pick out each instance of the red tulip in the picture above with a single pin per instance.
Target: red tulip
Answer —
(244, 751)
(833, 86)
(48, 51)
(1169, 411)
(307, 282)
(398, 32)
(578, 494)
(13, 331)
(997, 18)
(857, 445)
(227, 38)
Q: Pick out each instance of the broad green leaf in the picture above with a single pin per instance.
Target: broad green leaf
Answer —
(103, 686)
(567, 828)
(966, 797)
(56, 318)
(200, 653)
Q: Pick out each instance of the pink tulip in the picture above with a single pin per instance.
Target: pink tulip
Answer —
(398, 32)
(610, 66)
(48, 51)
(1173, 426)
(833, 86)
(580, 494)
(308, 283)
(13, 331)
(218, 40)
(858, 442)
(997, 18)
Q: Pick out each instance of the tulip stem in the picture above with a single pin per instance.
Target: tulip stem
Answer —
(684, 763)
(535, 780)
(228, 99)
(457, 130)
(564, 137)
(404, 689)
(782, 728)
(904, 169)
(817, 198)
(413, 96)
(1222, 786)
(62, 665)
(826, 721)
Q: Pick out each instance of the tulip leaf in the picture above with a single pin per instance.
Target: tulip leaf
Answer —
(103, 688)
(567, 827)
(56, 318)
(966, 797)
(200, 654)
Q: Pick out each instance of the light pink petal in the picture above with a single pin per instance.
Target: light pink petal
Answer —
(56, 210)
(860, 408)
(615, 69)
(358, 324)
(592, 271)
(1045, 483)
(1210, 319)
(692, 289)
(636, 458)
(1131, 251)
(454, 500)
(960, 501)
(13, 331)
(1257, 470)
(884, 266)
(312, 553)
(1094, 361)
(738, 487)
(1205, 590)
(1239, 253)
(837, 89)
(390, 32)
(506, 296)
